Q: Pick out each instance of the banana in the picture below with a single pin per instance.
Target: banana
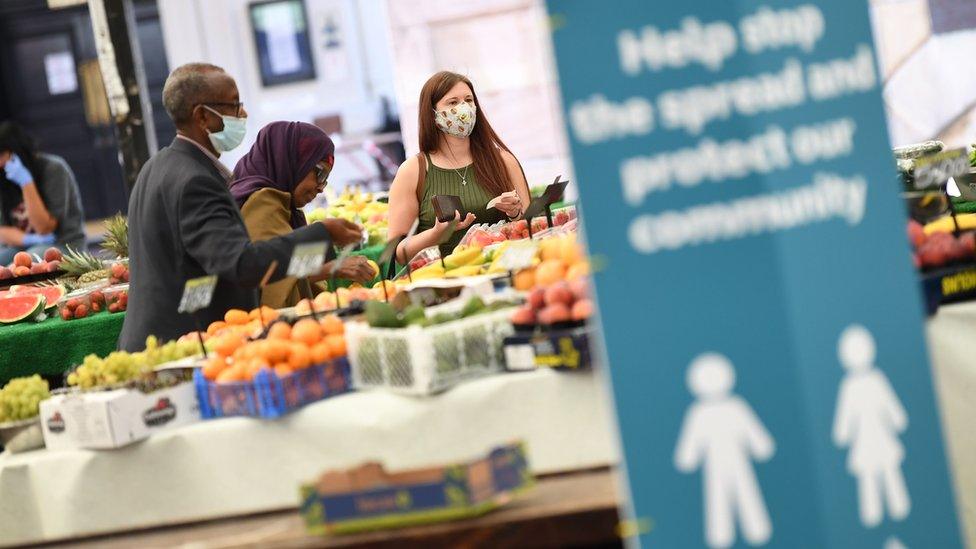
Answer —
(464, 257)
(467, 270)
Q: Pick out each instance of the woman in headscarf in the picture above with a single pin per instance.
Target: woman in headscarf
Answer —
(286, 168)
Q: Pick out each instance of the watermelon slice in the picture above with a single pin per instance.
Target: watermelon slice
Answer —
(53, 294)
(16, 308)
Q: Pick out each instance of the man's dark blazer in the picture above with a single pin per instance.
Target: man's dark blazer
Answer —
(184, 224)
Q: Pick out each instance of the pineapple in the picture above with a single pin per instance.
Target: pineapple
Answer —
(117, 236)
(77, 263)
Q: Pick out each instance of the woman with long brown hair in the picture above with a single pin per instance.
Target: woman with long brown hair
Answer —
(460, 155)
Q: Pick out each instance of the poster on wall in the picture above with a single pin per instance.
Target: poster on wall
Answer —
(281, 38)
(735, 173)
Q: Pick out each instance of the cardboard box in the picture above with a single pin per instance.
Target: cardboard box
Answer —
(114, 418)
(561, 349)
(370, 498)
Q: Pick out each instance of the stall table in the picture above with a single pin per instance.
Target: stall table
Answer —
(240, 466)
(574, 509)
(53, 346)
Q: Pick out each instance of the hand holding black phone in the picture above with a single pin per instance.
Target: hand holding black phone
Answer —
(447, 206)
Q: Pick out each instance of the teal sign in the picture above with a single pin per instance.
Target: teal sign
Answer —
(762, 318)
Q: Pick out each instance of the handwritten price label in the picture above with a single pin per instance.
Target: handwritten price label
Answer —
(307, 259)
(519, 255)
(936, 169)
(197, 294)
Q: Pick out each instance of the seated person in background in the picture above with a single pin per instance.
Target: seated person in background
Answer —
(40, 205)
(286, 168)
(184, 224)
(461, 155)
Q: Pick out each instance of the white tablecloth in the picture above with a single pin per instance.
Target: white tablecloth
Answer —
(237, 466)
(952, 344)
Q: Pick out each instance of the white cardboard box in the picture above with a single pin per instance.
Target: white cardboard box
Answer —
(112, 419)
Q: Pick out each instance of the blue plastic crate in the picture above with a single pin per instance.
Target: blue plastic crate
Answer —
(270, 396)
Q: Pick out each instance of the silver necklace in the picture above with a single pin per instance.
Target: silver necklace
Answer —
(463, 176)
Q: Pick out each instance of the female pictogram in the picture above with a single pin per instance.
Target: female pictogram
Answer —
(869, 418)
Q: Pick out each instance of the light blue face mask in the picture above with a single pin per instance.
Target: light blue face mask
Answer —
(231, 136)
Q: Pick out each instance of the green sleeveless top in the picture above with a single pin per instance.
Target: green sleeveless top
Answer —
(473, 197)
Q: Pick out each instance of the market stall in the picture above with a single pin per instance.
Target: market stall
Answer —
(51, 347)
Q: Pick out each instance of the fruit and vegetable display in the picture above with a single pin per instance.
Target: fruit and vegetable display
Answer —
(20, 397)
(116, 298)
(285, 350)
(558, 287)
(357, 207)
(25, 264)
(28, 303)
(485, 235)
(935, 248)
(122, 367)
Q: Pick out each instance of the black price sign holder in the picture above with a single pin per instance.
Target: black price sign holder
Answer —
(443, 240)
(264, 282)
(543, 203)
(198, 294)
(935, 170)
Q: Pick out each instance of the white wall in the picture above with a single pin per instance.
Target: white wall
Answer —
(504, 47)
(220, 32)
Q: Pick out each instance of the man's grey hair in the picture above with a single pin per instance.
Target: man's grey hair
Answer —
(187, 86)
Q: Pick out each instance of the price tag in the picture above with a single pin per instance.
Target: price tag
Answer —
(197, 294)
(519, 255)
(520, 357)
(307, 259)
(934, 170)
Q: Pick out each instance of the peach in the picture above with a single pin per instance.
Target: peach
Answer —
(552, 314)
(537, 298)
(524, 315)
(582, 309)
(559, 293)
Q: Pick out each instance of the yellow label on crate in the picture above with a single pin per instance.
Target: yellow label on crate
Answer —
(957, 283)
(568, 356)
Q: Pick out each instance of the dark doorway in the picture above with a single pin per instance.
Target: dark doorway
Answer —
(40, 49)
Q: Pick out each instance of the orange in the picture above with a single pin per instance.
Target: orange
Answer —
(267, 314)
(337, 345)
(255, 366)
(214, 366)
(216, 327)
(549, 272)
(550, 248)
(320, 353)
(524, 280)
(231, 374)
(333, 325)
(299, 357)
(283, 370)
(226, 344)
(277, 351)
(306, 331)
(280, 330)
(236, 317)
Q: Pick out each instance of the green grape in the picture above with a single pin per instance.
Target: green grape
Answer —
(20, 398)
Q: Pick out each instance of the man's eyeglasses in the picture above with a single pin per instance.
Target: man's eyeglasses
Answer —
(322, 173)
(238, 107)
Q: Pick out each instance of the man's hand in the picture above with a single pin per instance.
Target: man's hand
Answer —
(353, 267)
(343, 232)
(11, 236)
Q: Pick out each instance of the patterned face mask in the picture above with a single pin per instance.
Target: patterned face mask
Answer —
(457, 120)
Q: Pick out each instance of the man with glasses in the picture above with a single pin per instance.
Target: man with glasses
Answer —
(184, 223)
